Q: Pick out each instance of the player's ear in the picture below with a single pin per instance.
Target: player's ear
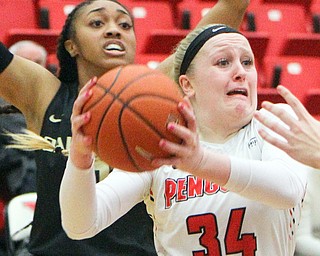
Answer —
(71, 47)
(186, 86)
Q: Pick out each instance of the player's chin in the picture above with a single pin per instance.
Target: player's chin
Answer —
(116, 62)
(245, 110)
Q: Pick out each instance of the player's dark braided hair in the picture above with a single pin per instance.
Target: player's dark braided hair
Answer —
(68, 67)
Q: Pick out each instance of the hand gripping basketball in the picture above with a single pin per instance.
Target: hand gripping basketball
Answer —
(130, 109)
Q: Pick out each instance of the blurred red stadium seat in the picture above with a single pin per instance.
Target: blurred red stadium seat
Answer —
(16, 14)
(304, 3)
(259, 42)
(298, 73)
(278, 20)
(150, 17)
(269, 94)
(47, 38)
(151, 60)
(313, 101)
(304, 44)
(196, 8)
(315, 6)
(163, 41)
(154, 1)
(315, 16)
(58, 11)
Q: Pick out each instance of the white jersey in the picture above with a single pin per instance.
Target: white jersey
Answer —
(197, 217)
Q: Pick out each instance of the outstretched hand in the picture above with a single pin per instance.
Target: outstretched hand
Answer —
(187, 156)
(303, 136)
(80, 148)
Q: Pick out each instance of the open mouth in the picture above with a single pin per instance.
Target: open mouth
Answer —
(114, 47)
(238, 91)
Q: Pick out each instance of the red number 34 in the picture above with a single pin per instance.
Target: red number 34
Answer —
(235, 242)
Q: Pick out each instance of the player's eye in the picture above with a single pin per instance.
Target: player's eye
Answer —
(247, 62)
(223, 62)
(96, 23)
(125, 25)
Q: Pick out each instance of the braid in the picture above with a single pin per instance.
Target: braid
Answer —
(68, 66)
(9, 109)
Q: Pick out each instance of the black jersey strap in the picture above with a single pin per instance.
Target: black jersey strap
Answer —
(5, 57)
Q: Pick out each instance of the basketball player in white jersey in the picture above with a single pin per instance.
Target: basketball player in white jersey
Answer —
(225, 191)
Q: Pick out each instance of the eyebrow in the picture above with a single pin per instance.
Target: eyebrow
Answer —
(103, 9)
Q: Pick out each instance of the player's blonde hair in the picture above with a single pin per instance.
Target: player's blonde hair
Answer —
(30, 141)
(26, 139)
(180, 52)
(191, 45)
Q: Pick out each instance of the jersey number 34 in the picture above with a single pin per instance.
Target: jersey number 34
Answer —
(235, 242)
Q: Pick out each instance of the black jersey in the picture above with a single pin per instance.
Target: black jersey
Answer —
(130, 235)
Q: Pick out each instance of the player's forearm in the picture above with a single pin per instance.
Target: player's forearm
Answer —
(87, 207)
(277, 183)
(78, 201)
(274, 183)
(229, 12)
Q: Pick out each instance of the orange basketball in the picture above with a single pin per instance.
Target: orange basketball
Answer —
(131, 106)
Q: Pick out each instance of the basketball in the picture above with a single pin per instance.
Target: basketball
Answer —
(130, 109)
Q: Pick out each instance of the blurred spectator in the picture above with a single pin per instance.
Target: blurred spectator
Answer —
(308, 235)
(35, 52)
(17, 168)
(30, 50)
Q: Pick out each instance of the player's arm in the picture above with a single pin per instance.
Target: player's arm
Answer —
(27, 85)
(229, 12)
(87, 207)
(254, 179)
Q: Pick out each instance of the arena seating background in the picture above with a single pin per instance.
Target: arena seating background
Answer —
(284, 34)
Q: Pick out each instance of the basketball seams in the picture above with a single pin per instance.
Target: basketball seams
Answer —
(117, 97)
(131, 106)
(145, 120)
(143, 75)
(125, 106)
(105, 90)
(114, 98)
